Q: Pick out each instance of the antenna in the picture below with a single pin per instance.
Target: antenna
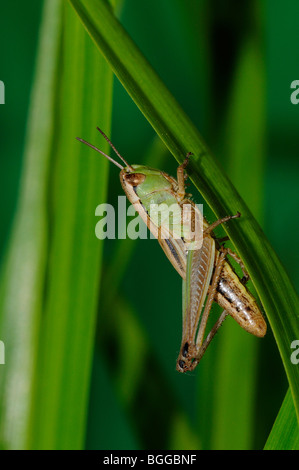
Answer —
(105, 155)
(100, 151)
(116, 151)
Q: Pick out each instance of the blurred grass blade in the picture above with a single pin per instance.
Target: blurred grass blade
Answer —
(244, 145)
(140, 382)
(285, 433)
(51, 281)
(79, 185)
(24, 272)
(179, 134)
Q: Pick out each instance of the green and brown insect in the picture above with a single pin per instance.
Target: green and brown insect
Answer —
(194, 251)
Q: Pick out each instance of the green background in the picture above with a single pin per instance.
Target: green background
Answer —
(180, 44)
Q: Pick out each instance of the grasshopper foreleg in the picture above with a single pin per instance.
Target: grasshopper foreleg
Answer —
(181, 176)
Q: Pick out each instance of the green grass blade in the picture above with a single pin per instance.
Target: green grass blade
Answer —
(79, 185)
(50, 283)
(179, 134)
(285, 433)
(24, 271)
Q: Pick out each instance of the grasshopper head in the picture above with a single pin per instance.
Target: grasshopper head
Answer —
(144, 182)
(132, 178)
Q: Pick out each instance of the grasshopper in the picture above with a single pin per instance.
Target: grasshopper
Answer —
(206, 272)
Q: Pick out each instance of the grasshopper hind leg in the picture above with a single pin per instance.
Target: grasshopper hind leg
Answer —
(246, 276)
(215, 224)
(202, 343)
(192, 352)
(209, 337)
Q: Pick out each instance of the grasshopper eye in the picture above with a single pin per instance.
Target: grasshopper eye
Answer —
(134, 179)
